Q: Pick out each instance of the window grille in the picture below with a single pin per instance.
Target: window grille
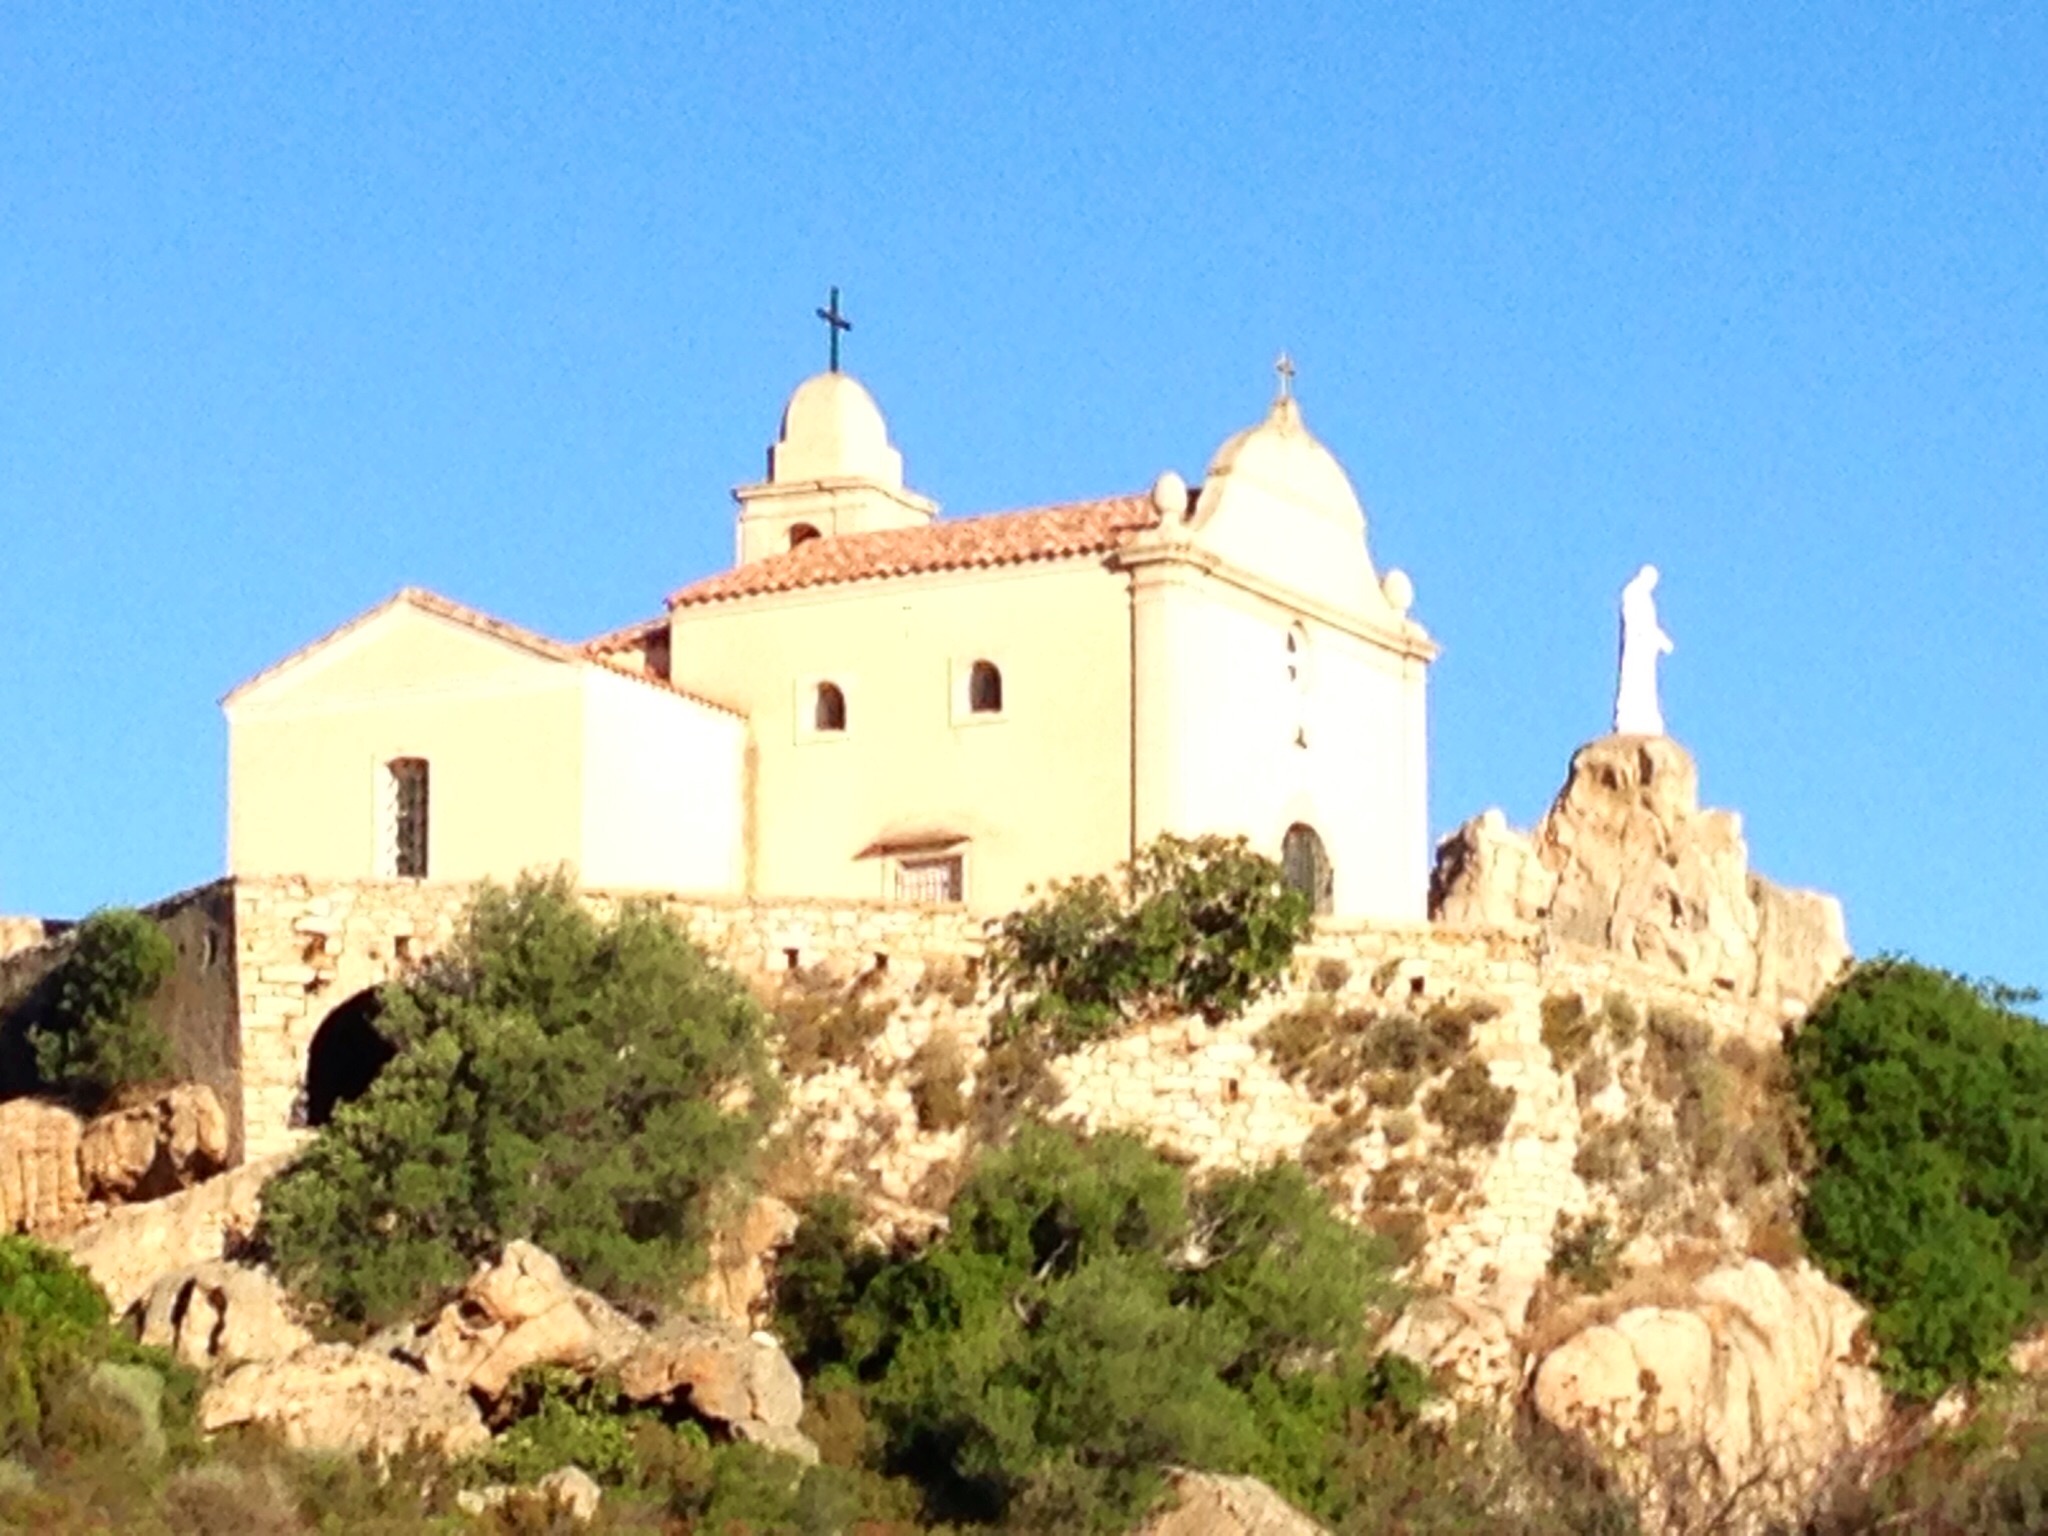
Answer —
(930, 880)
(405, 818)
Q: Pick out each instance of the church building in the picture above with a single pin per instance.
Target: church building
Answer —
(880, 702)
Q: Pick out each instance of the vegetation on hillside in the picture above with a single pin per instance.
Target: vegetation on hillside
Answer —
(587, 1084)
(1189, 925)
(1090, 1318)
(1926, 1098)
(94, 1036)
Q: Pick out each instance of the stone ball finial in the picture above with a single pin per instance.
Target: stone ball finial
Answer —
(1399, 590)
(1170, 497)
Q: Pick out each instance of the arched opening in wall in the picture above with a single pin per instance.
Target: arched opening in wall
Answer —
(829, 712)
(1305, 864)
(984, 689)
(801, 533)
(347, 1054)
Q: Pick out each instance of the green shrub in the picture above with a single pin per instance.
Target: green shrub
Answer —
(937, 1072)
(562, 1419)
(1567, 1028)
(1087, 1320)
(1188, 925)
(1471, 1107)
(586, 1085)
(1926, 1100)
(97, 1037)
(1585, 1253)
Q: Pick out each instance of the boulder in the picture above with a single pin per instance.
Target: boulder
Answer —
(1750, 1391)
(219, 1314)
(740, 1380)
(163, 1144)
(130, 1247)
(735, 1287)
(40, 1191)
(1208, 1504)
(519, 1312)
(571, 1490)
(333, 1397)
(1626, 860)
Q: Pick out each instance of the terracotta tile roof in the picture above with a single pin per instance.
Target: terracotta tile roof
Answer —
(629, 637)
(1000, 538)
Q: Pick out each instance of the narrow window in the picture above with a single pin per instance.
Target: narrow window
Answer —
(405, 818)
(801, 533)
(829, 713)
(985, 689)
(1306, 866)
(931, 880)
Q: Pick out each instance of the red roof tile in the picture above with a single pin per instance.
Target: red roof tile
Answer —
(1001, 538)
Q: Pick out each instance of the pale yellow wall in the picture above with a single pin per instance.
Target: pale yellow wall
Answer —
(1220, 717)
(533, 763)
(662, 786)
(1044, 791)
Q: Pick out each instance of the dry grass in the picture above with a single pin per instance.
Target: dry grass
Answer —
(1558, 1314)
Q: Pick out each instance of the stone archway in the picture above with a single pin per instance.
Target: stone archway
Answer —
(1305, 863)
(346, 1055)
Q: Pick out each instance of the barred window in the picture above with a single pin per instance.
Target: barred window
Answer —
(931, 880)
(404, 815)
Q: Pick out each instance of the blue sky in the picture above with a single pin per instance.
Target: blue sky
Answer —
(300, 304)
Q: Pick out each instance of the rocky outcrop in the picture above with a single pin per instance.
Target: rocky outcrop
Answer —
(131, 1247)
(519, 1312)
(218, 1315)
(1738, 1401)
(740, 1380)
(1207, 1504)
(40, 1188)
(735, 1287)
(1626, 860)
(54, 1166)
(148, 1150)
(332, 1397)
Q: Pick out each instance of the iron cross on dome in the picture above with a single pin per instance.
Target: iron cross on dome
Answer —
(835, 322)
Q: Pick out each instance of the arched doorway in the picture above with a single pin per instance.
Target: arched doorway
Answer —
(346, 1055)
(1305, 864)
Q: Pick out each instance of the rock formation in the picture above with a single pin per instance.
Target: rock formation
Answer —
(1207, 1504)
(217, 1315)
(40, 1188)
(54, 1166)
(1742, 1398)
(742, 1381)
(519, 1312)
(1626, 860)
(735, 1287)
(131, 1247)
(147, 1150)
(332, 1397)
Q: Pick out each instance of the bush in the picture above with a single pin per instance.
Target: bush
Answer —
(97, 1037)
(1926, 1099)
(1086, 1321)
(586, 1085)
(1471, 1107)
(1189, 925)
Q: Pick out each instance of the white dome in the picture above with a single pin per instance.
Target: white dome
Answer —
(832, 429)
(1280, 458)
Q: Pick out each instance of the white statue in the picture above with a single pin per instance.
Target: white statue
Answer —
(1642, 642)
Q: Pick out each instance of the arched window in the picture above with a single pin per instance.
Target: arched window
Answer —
(1306, 866)
(829, 713)
(985, 689)
(801, 533)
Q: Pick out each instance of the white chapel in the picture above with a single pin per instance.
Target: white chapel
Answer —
(877, 701)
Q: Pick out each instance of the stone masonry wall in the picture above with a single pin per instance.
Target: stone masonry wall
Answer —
(304, 948)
